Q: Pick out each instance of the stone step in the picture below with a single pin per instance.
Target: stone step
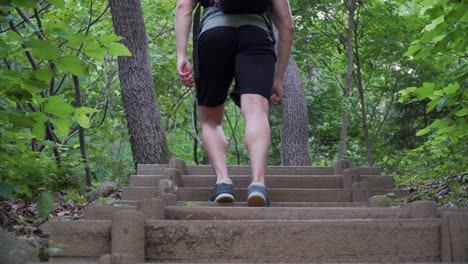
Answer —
(145, 180)
(273, 241)
(70, 261)
(103, 212)
(157, 169)
(272, 204)
(289, 181)
(275, 195)
(151, 169)
(139, 193)
(278, 213)
(285, 194)
(259, 241)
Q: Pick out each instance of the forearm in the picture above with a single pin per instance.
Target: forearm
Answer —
(285, 41)
(283, 21)
(183, 21)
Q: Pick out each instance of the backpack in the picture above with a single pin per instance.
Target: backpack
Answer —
(258, 7)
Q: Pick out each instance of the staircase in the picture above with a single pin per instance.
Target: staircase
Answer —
(338, 214)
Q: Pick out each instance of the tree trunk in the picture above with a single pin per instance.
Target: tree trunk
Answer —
(361, 97)
(81, 134)
(295, 127)
(349, 78)
(147, 137)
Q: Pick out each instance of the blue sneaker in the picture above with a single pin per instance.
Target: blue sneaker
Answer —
(257, 195)
(223, 192)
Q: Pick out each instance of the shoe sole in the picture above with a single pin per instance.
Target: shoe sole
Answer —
(256, 200)
(224, 198)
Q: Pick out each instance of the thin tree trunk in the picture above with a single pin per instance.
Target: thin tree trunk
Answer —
(81, 134)
(295, 123)
(147, 137)
(361, 97)
(195, 131)
(349, 77)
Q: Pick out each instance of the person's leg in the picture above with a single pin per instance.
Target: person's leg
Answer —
(214, 140)
(257, 133)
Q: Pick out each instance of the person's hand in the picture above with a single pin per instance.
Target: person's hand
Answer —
(277, 92)
(184, 69)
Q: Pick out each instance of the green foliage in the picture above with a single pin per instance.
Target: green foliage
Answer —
(45, 204)
(39, 118)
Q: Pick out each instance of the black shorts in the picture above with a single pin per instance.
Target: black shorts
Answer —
(245, 54)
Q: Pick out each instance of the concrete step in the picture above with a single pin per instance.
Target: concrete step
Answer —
(301, 241)
(278, 213)
(145, 180)
(139, 193)
(260, 241)
(276, 195)
(290, 181)
(285, 194)
(272, 204)
(157, 169)
(103, 212)
(151, 169)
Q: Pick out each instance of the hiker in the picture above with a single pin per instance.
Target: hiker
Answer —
(241, 47)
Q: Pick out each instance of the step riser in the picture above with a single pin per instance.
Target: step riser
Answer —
(282, 241)
(275, 195)
(80, 239)
(219, 213)
(277, 204)
(146, 180)
(153, 169)
(294, 241)
(308, 182)
(139, 193)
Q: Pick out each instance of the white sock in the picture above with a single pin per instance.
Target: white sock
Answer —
(226, 181)
(257, 184)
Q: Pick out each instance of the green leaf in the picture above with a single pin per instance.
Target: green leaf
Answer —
(72, 65)
(6, 190)
(423, 132)
(78, 39)
(75, 198)
(425, 91)
(85, 111)
(20, 119)
(461, 113)
(56, 106)
(63, 125)
(118, 49)
(24, 3)
(34, 85)
(82, 120)
(413, 49)
(94, 49)
(456, 14)
(58, 3)
(442, 102)
(43, 49)
(434, 23)
(106, 39)
(61, 32)
(451, 88)
(45, 204)
(3, 49)
(39, 125)
(44, 74)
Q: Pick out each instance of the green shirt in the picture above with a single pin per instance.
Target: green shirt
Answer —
(214, 17)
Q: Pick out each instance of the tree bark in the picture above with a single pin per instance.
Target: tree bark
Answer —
(295, 124)
(81, 134)
(349, 77)
(361, 97)
(147, 137)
